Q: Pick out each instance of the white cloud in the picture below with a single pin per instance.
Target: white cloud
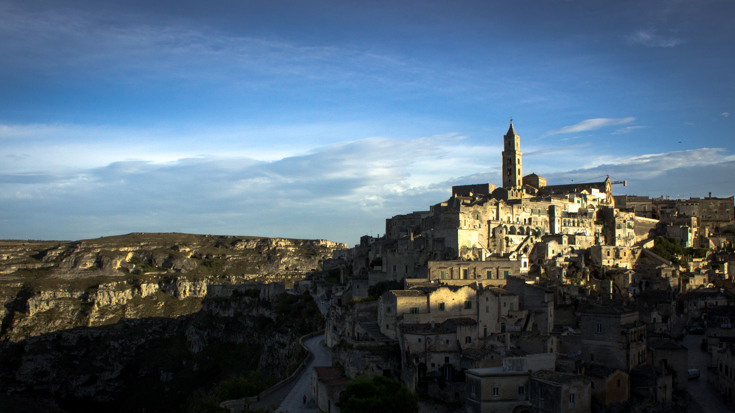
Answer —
(590, 124)
(649, 38)
(726, 114)
(627, 129)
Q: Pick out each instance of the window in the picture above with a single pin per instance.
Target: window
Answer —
(487, 308)
(598, 330)
(419, 340)
(446, 359)
(468, 340)
(468, 305)
(387, 309)
(496, 391)
(405, 269)
(571, 400)
(444, 275)
(394, 269)
(511, 306)
(505, 274)
(521, 390)
(414, 310)
(464, 274)
(618, 382)
(489, 275)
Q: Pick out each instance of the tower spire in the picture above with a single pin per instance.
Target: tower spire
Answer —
(512, 167)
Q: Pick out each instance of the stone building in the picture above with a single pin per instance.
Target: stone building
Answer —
(722, 375)
(613, 336)
(326, 385)
(553, 392)
(671, 356)
(504, 389)
(608, 385)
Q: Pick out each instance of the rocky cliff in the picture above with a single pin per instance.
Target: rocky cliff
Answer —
(150, 320)
(51, 286)
(161, 364)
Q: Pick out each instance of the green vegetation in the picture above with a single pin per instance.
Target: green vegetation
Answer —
(697, 252)
(381, 394)
(236, 388)
(667, 248)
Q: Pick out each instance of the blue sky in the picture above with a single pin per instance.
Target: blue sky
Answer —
(320, 119)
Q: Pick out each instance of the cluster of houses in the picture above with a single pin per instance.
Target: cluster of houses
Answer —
(533, 298)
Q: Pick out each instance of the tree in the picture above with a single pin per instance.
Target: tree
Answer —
(379, 394)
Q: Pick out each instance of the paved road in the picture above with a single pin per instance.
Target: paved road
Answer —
(291, 398)
(703, 397)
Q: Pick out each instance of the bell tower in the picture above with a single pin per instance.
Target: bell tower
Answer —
(512, 166)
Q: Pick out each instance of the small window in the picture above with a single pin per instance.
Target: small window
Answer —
(444, 275)
(446, 359)
(505, 274)
(414, 310)
(468, 305)
(511, 306)
(598, 330)
(419, 340)
(487, 308)
(405, 269)
(441, 307)
(387, 309)
(489, 275)
(618, 382)
(464, 274)
(468, 340)
(496, 391)
(521, 390)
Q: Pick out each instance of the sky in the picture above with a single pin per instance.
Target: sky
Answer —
(321, 119)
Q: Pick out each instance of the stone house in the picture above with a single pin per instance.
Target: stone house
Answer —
(702, 299)
(537, 300)
(492, 271)
(608, 385)
(671, 356)
(722, 373)
(651, 384)
(553, 392)
(613, 336)
(326, 385)
(504, 389)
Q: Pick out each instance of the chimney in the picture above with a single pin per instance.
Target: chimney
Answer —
(710, 195)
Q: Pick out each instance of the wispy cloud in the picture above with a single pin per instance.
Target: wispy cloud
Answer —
(650, 38)
(627, 129)
(726, 114)
(589, 124)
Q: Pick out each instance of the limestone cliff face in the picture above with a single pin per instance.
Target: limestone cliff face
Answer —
(51, 286)
(158, 363)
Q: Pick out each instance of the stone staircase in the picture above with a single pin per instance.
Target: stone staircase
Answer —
(373, 329)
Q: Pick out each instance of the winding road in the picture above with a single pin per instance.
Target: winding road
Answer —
(291, 398)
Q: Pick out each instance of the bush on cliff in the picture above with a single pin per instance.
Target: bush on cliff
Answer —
(379, 394)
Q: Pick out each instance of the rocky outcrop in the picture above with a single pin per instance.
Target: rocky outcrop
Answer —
(50, 286)
(158, 363)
